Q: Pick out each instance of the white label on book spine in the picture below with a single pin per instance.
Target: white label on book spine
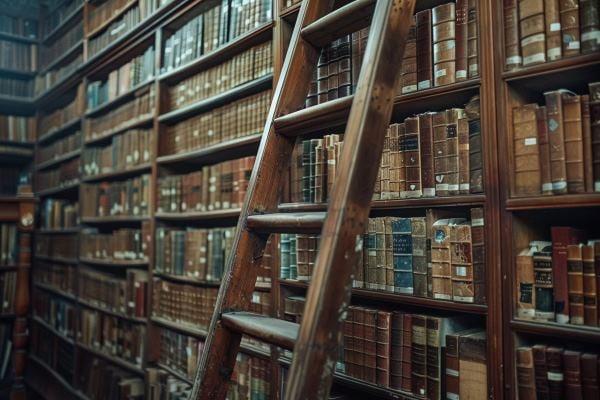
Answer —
(597, 186)
(555, 376)
(534, 58)
(554, 53)
(547, 187)
(461, 270)
(513, 60)
(430, 192)
(440, 73)
(540, 37)
(453, 187)
(452, 372)
(559, 185)
(593, 35)
(530, 141)
(461, 73)
(409, 89)
(464, 299)
(424, 85)
(574, 45)
(477, 222)
(562, 318)
(555, 27)
(464, 186)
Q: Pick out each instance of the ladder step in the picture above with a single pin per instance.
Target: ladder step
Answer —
(270, 330)
(343, 21)
(331, 114)
(287, 222)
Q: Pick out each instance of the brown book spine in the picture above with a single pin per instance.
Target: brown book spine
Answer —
(590, 290)
(408, 74)
(553, 33)
(407, 341)
(525, 284)
(589, 376)
(572, 371)
(464, 168)
(452, 367)
(427, 155)
(472, 109)
(594, 90)
(412, 159)
(419, 355)
(462, 14)
(544, 150)
(532, 31)
(589, 20)
(424, 48)
(569, 27)
(512, 54)
(573, 143)
(444, 44)
(556, 386)
(384, 332)
(556, 138)
(562, 237)
(526, 151)
(473, 39)
(478, 249)
(525, 374)
(441, 145)
(586, 128)
(396, 350)
(575, 283)
(541, 371)
(473, 366)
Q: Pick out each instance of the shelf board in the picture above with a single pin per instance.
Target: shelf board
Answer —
(115, 263)
(62, 25)
(18, 38)
(125, 173)
(556, 330)
(54, 290)
(15, 153)
(176, 374)
(552, 67)
(243, 90)
(115, 360)
(120, 99)
(117, 219)
(17, 73)
(553, 202)
(76, 394)
(16, 104)
(397, 298)
(62, 189)
(226, 51)
(182, 327)
(92, 306)
(66, 55)
(290, 13)
(61, 158)
(198, 215)
(230, 148)
(52, 329)
(58, 259)
(142, 120)
(186, 279)
(75, 122)
(66, 83)
(116, 14)
(58, 231)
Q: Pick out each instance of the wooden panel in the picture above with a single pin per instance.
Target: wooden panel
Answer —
(270, 330)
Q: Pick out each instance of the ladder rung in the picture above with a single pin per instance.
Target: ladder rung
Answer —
(343, 21)
(330, 114)
(287, 222)
(270, 330)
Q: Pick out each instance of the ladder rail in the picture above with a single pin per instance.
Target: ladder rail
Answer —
(315, 352)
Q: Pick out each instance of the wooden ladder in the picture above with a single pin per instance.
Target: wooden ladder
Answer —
(368, 111)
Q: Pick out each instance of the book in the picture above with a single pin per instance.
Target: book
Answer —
(424, 50)
(129, 197)
(594, 89)
(473, 367)
(122, 244)
(59, 214)
(526, 151)
(552, 30)
(532, 32)
(541, 371)
(544, 282)
(574, 157)
(589, 375)
(525, 374)
(525, 284)
(544, 151)
(49, 246)
(443, 18)
(572, 374)
(562, 237)
(512, 49)
(590, 288)
(554, 113)
(569, 27)
(575, 284)
(16, 128)
(555, 372)
(589, 20)
(478, 250)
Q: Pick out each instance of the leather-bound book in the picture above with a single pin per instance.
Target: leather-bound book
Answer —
(320, 172)
(322, 75)
(408, 74)
(556, 138)
(562, 237)
(525, 284)
(572, 371)
(512, 47)
(590, 290)
(454, 115)
(384, 168)
(419, 256)
(402, 243)
(526, 151)
(478, 249)
(383, 344)
(575, 283)
(441, 272)
(344, 67)
(532, 31)
(569, 27)
(543, 283)
(311, 97)
(594, 93)
(452, 365)
(589, 376)
(333, 69)
(407, 332)
(394, 160)
(461, 260)
(473, 366)
(589, 21)
(472, 40)
(401, 157)
(419, 355)
(396, 339)
(464, 169)
(462, 14)
(573, 143)
(556, 384)
(444, 44)
(541, 371)
(440, 152)
(427, 157)
(525, 374)
(412, 159)
(553, 33)
(472, 110)
(358, 332)
(424, 50)
(586, 128)
(389, 254)
(544, 150)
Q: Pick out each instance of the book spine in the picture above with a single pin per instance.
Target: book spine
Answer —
(412, 159)
(544, 286)
(541, 371)
(562, 237)
(525, 374)
(589, 376)
(526, 151)
(532, 32)
(419, 355)
(525, 282)
(589, 19)
(403, 269)
(574, 156)
(419, 256)
(452, 371)
(427, 154)
(556, 138)
(424, 49)
(512, 49)
(569, 27)
(441, 271)
(572, 373)
(590, 290)
(594, 93)
(464, 167)
(461, 18)
(575, 284)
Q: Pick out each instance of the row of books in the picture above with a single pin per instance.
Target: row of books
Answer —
(238, 119)
(15, 128)
(102, 380)
(244, 67)
(53, 246)
(18, 56)
(104, 11)
(179, 352)
(58, 276)
(164, 386)
(123, 198)
(553, 372)
(138, 70)
(123, 296)
(56, 312)
(60, 147)
(556, 147)
(46, 80)
(16, 87)
(126, 150)
(54, 18)
(215, 187)
(56, 353)
(123, 244)
(431, 154)
(195, 253)
(558, 280)
(112, 336)
(65, 174)
(59, 214)
(182, 303)
(8, 290)
(115, 30)
(62, 44)
(540, 31)
(118, 118)
(19, 26)
(251, 378)
(429, 356)
(9, 250)
(58, 117)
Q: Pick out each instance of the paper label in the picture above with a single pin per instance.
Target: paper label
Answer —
(555, 376)
(593, 35)
(574, 45)
(465, 299)
(451, 372)
(409, 89)
(547, 187)
(464, 186)
(555, 27)
(461, 73)
(559, 186)
(554, 53)
(440, 73)
(460, 271)
(540, 37)
(477, 222)
(534, 58)
(530, 141)
(513, 60)
(424, 85)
